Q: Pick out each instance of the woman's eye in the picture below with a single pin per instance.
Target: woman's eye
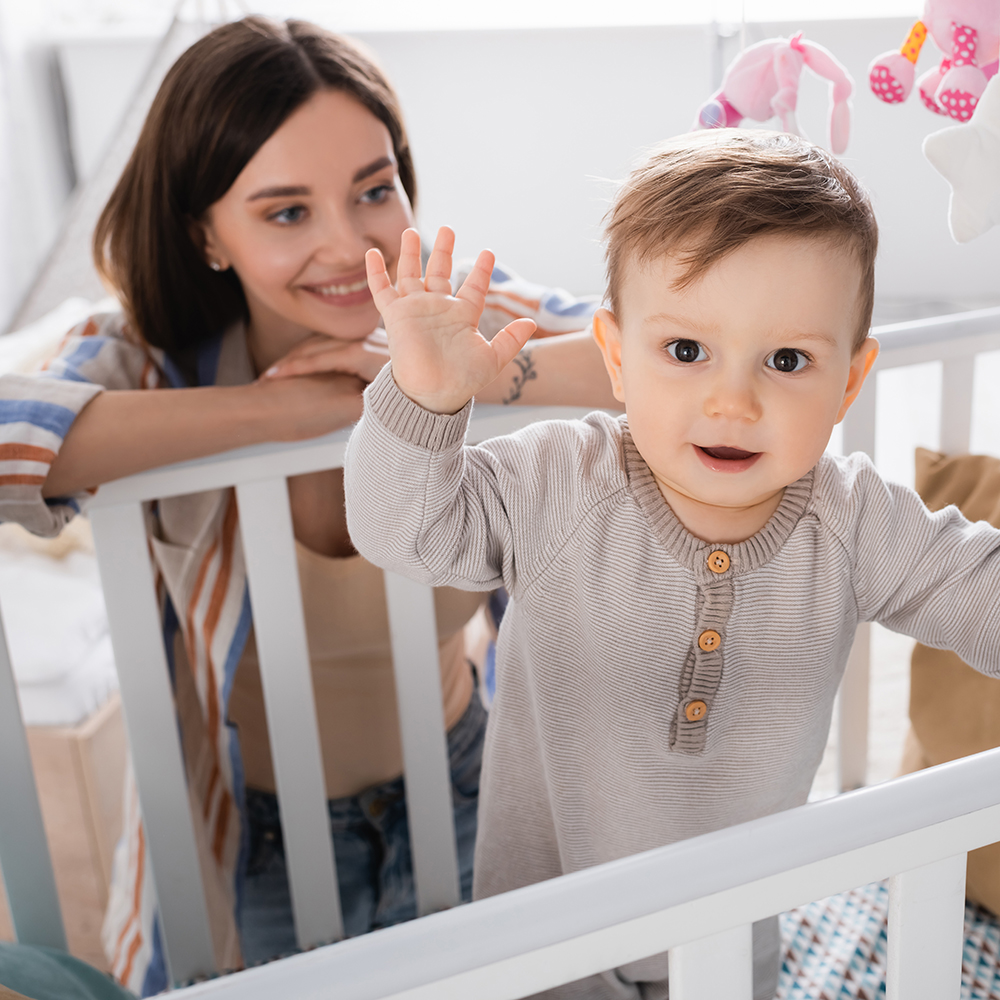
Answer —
(787, 360)
(686, 351)
(376, 195)
(293, 213)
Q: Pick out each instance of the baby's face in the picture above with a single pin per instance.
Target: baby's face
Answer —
(733, 384)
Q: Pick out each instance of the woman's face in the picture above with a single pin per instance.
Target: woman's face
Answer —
(298, 219)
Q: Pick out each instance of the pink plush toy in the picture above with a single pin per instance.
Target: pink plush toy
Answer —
(763, 81)
(968, 32)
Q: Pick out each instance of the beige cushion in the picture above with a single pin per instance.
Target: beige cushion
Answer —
(955, 710)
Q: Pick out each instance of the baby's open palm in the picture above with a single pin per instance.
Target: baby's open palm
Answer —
(439, 357)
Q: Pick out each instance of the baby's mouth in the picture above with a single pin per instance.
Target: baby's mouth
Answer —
(722, 458)
(728, 454)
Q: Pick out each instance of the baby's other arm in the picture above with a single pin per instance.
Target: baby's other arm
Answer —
(933, 576)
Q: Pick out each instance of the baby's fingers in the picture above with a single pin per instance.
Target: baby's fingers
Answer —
(439, 264)
(510, 340)
(379, 284)
(477, 284)
(408, 270)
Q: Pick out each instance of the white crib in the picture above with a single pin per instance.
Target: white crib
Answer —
(696, 898)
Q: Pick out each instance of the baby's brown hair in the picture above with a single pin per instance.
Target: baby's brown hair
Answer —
(700, 196)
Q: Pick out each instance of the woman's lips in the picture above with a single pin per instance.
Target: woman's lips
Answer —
(350, 290)
(720, 458)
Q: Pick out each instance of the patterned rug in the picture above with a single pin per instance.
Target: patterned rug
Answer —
(835, 949)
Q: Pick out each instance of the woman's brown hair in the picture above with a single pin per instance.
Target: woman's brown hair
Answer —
(218, 104)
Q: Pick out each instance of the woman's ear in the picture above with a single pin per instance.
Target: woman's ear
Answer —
(861, 365)
(609, 340)
(203, 237)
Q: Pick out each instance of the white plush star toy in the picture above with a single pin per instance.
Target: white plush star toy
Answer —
(969, 158)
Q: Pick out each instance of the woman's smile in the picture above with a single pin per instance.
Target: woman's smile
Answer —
(349, 290)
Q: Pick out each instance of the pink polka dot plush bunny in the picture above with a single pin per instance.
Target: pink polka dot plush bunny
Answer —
(763, 82)
(968, 33)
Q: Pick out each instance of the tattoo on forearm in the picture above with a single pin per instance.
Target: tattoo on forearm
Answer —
(527, 371)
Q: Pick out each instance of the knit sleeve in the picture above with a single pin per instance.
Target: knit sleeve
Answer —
(934, 576)
(423, 504)
(38, 409)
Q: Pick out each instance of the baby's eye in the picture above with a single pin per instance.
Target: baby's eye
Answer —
(378, 194)
(787, 360)
(686, 350)
(290, 215)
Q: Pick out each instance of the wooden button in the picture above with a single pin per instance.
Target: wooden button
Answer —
(709, 640)
(695, 710)
(718, 561)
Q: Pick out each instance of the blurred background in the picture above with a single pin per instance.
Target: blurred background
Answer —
(521, 117)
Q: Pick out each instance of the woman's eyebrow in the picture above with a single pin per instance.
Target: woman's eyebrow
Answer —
(296, 191)
(373, 168)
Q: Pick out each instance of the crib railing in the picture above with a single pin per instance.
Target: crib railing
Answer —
(259, 476)
(593, 920)
(696, 899)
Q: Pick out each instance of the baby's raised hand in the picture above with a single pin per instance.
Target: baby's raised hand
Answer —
(439, 357)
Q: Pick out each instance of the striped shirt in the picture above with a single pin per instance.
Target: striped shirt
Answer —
(617, 725)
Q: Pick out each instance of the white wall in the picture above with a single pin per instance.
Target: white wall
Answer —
(515, 132)
(517, 135)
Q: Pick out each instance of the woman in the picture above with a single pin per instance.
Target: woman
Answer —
(272, 158)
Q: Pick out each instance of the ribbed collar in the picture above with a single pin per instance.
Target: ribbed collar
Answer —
(746, 556)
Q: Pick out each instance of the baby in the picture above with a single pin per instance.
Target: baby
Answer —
(686, 579)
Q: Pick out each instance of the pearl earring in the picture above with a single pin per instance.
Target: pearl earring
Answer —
(215, 265)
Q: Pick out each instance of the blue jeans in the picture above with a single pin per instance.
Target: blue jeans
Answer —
(371, 843)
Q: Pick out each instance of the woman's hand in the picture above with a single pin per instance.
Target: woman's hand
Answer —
(320, 353)
(439, 357)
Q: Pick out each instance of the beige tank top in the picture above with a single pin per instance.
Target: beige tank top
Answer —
(348, 631)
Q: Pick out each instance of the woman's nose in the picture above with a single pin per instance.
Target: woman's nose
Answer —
(342, 240)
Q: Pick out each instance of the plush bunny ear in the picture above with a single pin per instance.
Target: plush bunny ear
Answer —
(822, 62)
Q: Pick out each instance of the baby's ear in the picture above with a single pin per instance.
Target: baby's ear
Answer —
(609, 340)
(861, 365)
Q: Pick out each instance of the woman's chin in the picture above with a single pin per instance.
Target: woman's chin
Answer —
(345, 323)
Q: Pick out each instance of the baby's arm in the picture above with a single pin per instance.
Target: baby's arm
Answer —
(439, 358)
(933, 576)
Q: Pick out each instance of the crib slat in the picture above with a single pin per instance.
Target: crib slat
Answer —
(927, 931)
(957, 377)
(719, 967)
(417, 668)
(148, 704)
(279, 627)
(852, 714)
(24, 849)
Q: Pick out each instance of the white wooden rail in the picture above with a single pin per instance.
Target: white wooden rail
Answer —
(259, 475)
(24, 850)
(696, 898)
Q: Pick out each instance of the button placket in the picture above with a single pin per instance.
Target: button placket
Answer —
(703, 670)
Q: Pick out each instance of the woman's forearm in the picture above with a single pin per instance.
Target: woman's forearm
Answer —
(120, 433)
(566, 370)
